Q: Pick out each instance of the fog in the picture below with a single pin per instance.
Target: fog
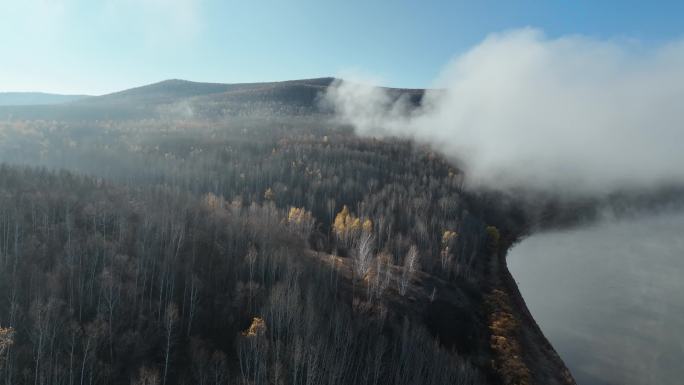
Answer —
(609, 297)
(581, 116)
(570, 113)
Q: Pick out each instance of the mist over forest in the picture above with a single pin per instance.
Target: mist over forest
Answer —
(195, 233)
(339, 230)
(188, 232)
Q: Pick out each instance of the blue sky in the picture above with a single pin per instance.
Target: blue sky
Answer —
(100, 46)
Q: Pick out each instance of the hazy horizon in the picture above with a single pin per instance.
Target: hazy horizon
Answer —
(98, 47)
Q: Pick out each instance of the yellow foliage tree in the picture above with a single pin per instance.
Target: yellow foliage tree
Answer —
(349, 228)
(341, 221)
(301, 220)
(367, 226)
(6, 340)
(448, 236)
(256, 328)
(446, 256)
(355, 225)
(298, 215)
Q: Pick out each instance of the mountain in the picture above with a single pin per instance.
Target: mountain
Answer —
(35, 98)
(181, 98)
(162, 92)
(171, 98)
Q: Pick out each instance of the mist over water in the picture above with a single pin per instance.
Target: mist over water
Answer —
(574, 117)
(521, 109)
(610, 298)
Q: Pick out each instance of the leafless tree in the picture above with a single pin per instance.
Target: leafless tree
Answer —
(409, 269)
(195, 285)
(40, 313)
(147, 376)
(382, 277)
(170, 321)
(92, 334)
(363, 256)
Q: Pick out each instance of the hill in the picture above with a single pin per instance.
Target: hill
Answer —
(173, 90)
(182, 99)
(35, 98)
(271, 247)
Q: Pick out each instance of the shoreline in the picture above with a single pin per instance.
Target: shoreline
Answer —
(546, 367)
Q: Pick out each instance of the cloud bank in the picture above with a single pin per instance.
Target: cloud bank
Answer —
(524, 110)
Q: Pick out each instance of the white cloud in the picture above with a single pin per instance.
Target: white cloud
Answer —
(571, 113)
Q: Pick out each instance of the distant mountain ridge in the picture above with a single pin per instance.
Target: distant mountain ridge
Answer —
(36, 98)
(174, 97)
(173, 90)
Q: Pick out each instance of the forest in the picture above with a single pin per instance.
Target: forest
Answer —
(210, 192)
(275, 248)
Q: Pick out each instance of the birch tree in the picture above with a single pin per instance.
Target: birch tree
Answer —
(363, 256)
(170, 322)
(409, 269)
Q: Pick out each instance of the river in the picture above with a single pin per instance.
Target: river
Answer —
(610, 298)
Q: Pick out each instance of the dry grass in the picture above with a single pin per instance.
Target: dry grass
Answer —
(504, 328)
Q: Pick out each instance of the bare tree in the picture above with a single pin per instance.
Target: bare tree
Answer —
(363, 257)
(409, 269)
(219, 367)
(93, 331)
(252, 350)
(195, 285)
(40, 314)
(382, 277)
(147, 376)
(170, 321)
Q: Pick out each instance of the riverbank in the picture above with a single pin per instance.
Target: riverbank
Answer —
(536, 352)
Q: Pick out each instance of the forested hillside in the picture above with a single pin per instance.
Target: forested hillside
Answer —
(273, 248)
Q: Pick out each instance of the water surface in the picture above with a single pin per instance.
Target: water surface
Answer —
(610, 298)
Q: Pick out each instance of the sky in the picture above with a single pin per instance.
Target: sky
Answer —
(101, 46)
